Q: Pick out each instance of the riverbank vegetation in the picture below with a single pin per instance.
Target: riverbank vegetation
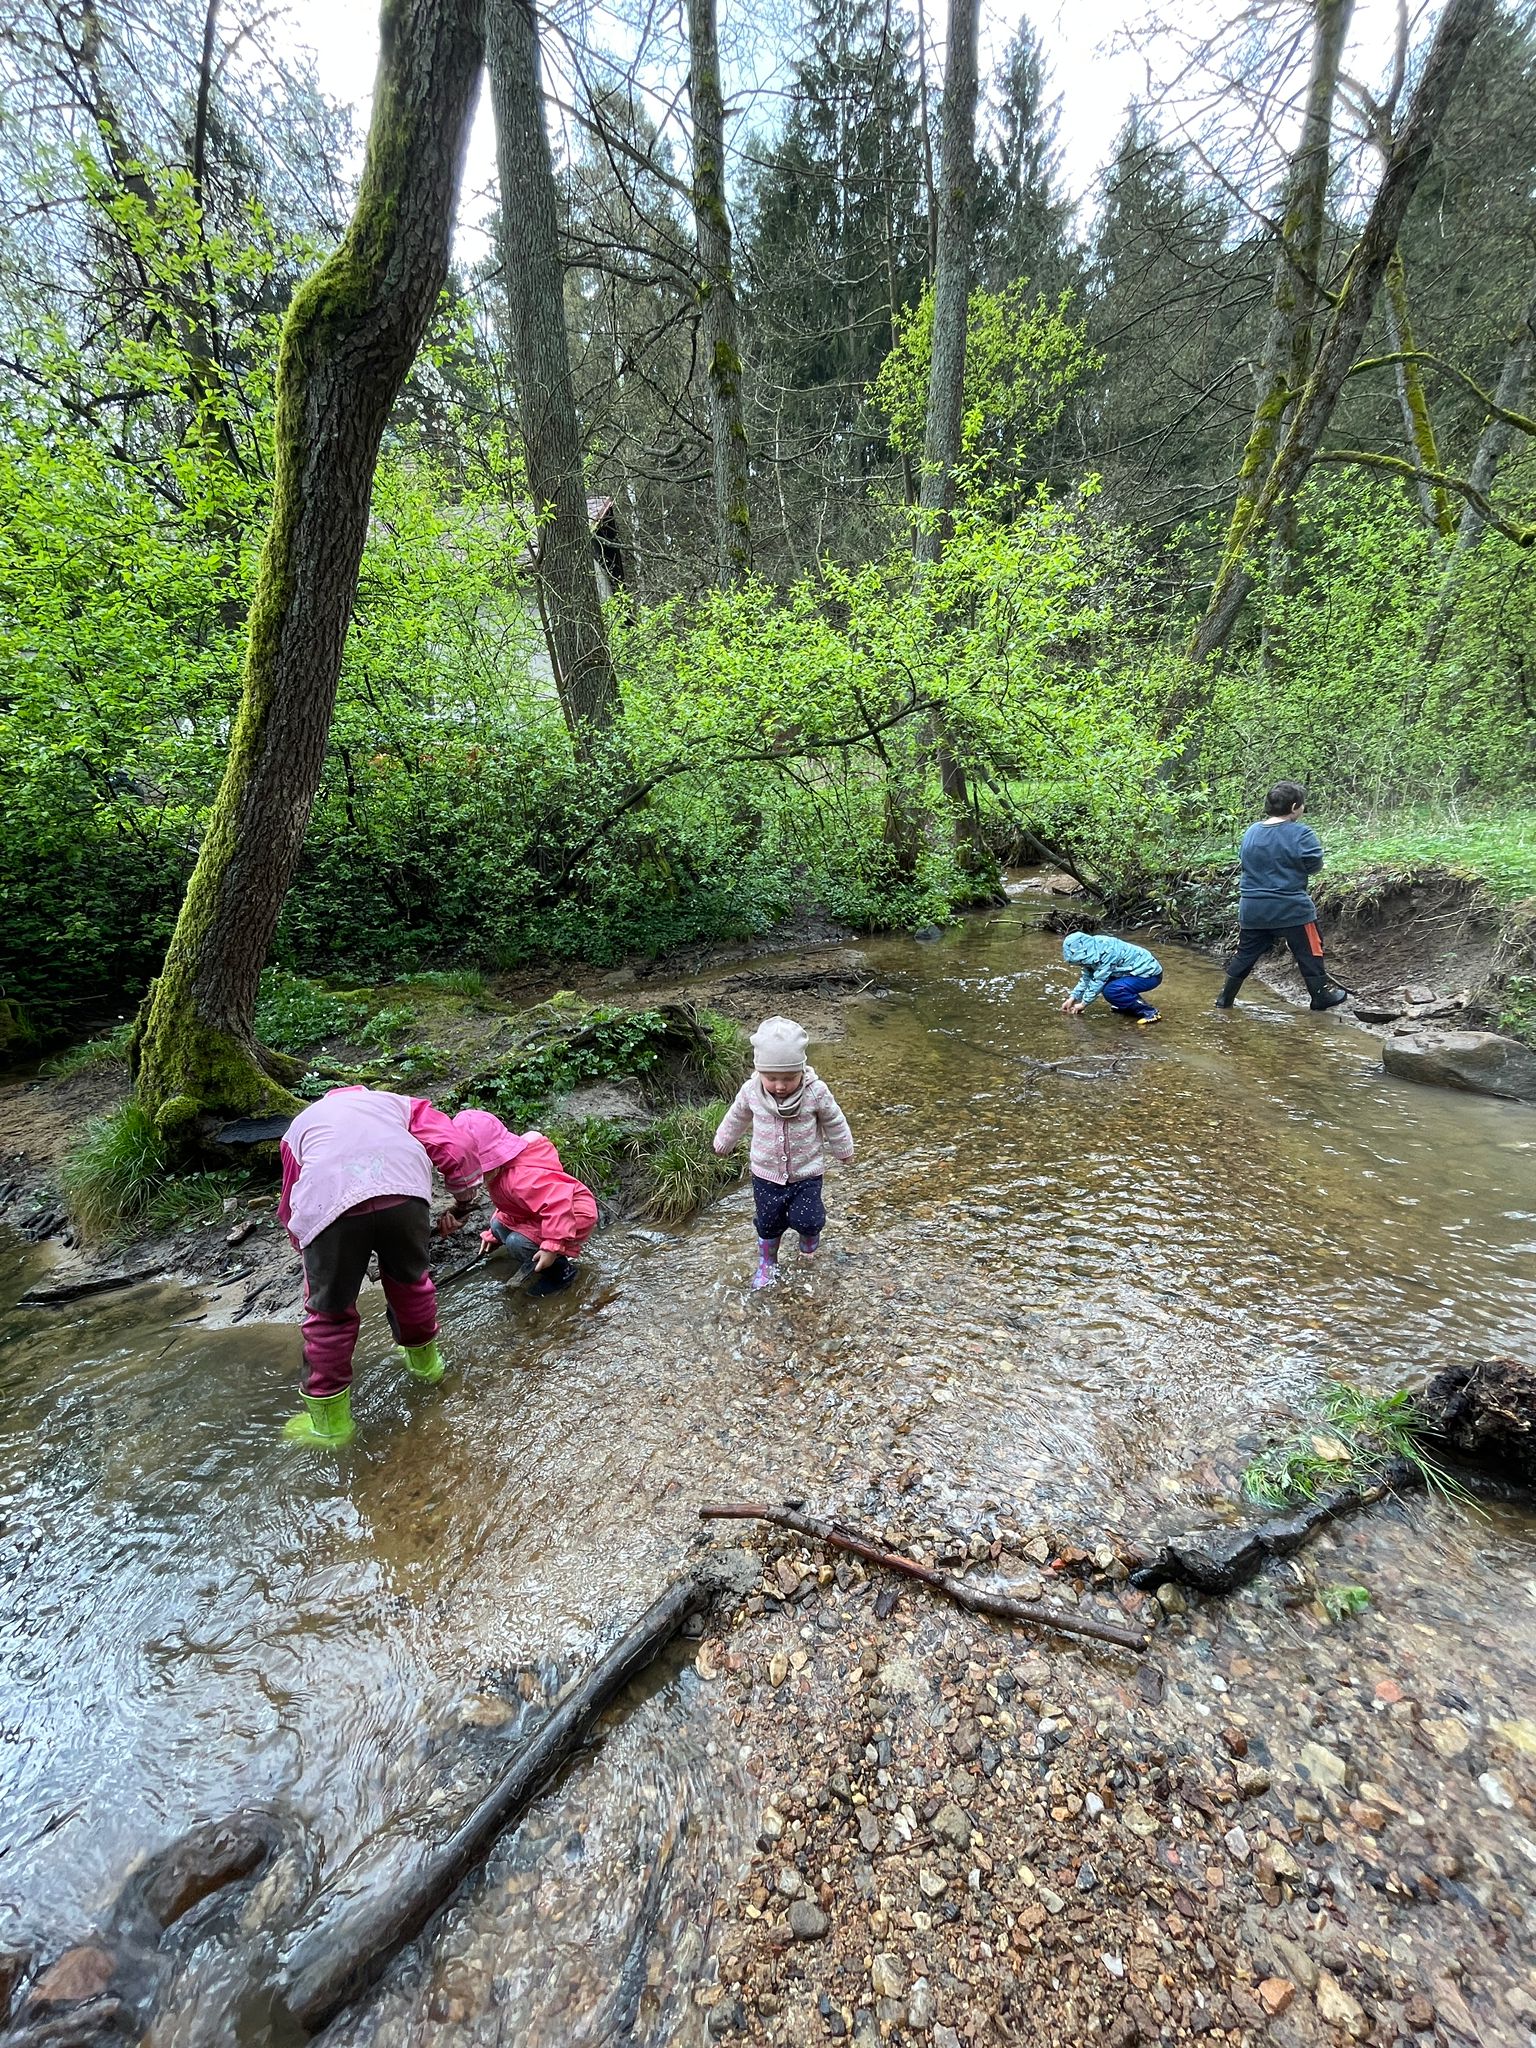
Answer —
(848, 666)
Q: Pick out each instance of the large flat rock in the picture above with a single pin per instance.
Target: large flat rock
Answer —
(1482, 1061)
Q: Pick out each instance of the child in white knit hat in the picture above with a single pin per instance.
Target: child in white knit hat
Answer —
(794, 1123)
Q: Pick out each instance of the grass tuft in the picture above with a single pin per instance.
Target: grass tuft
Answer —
(118, 1178)
(1356, 1435)
(95, 1052)
(679, 1169)
(591, 1150)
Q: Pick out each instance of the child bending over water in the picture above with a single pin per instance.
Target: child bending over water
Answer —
(543, 1214)
(794, 1122)
(1114, 969)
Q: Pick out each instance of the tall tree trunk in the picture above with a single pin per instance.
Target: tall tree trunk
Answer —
(720, 317)
(350, 338)
(1418, 427)
(1409, 156)
(534, 278)
(929, 193)
(1288, 341)
(1493, 445)
(951, 303)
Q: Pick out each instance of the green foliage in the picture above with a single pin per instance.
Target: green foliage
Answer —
(387, 1024)
(680, 1171)
(592, 1149)
(1355, 1436)
(1518, 1013)
(293, 1015)
(119, 1178)
(1340, 1602)
(1022, 362)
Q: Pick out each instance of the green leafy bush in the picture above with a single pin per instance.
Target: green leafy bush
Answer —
(293, 1014)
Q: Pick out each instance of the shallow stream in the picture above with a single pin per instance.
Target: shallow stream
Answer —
(1072, 1258)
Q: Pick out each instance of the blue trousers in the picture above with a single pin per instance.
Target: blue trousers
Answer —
(795, 1206)
(1125, 992)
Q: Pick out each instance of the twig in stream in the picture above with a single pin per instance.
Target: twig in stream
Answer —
(976, 1598)
(331, 1966)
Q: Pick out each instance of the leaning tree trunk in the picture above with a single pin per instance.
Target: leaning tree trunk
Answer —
(1298, 261)
(1406, 163)
(534, 277)
(1412, 402)
(719, 314)
(951, 303)
(1492, 447)
(350, 337)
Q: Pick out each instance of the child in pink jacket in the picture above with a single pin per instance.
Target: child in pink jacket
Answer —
(357, 1180)
(794, 1122)
(542, 1212)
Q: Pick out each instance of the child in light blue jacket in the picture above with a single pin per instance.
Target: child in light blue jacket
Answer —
(1114, 969)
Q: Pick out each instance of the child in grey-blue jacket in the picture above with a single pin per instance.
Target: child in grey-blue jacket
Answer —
(1114, 969)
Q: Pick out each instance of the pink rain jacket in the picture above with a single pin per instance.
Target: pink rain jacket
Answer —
(787, 1148)
(533, 1193)
(359, 1146)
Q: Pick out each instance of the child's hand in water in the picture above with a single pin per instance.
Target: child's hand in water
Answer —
(1072, 1007)
(544, 1261)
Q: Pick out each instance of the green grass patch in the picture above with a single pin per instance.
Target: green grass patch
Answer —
(119, 1179)
(680, 1171)
(593, 1150)
(1496, 848)
(1355, 1436)
(386, 1025)
(96, 1052)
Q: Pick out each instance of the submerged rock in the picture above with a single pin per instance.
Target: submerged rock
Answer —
(1483, 1061)
(1487, 1414)
(203, 1861)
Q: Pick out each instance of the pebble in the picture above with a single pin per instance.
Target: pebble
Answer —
(1275, 1994)
(1496, 1791)
(932, 1883)
(1448, 1736)
(951, 1825)
(869, 1831)
(1339, 2008)
(1324, 1767)
(1237, 1845)
(1252, 1781)
(888, 1975)
(790, 1883)
(922, 2007)
(807, 1922)
(1171, 1599)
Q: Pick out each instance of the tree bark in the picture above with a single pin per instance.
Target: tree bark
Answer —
(534, 278)
(349, 340)
(1288, 342)
(1407, 160)
(1412, 403)
(1493, 445)
(946, 370)
(720, 317)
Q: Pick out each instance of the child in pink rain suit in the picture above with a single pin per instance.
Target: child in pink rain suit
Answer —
(357, 1180)
(542, 1212)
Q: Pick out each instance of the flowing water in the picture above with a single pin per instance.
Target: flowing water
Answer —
(1073, 1256)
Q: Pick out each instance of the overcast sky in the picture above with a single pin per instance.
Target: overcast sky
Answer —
(1094, 69)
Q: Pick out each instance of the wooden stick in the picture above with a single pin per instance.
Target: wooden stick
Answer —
(331, 1966)
(93, 1283)
(973, 1597)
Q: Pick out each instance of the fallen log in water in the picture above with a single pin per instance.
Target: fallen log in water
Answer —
(976, 1598)
(332, 1965)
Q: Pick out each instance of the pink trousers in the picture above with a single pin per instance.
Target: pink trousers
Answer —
(335, 1266)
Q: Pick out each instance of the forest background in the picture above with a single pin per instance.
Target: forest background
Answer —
(1245, 482)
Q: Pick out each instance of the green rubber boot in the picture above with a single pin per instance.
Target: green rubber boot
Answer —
(325, 1420)
(423, 1361)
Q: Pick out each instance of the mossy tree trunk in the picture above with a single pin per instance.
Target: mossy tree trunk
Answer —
(719, 314)
(533, 276)
(946, 372)
(1314, 406)
(1287, 357)
(1412, 401)
(350, 337)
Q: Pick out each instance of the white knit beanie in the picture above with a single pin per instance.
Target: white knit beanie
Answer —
(778, 1046)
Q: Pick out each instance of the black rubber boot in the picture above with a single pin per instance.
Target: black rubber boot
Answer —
(1326, 998)
(1229, 989)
